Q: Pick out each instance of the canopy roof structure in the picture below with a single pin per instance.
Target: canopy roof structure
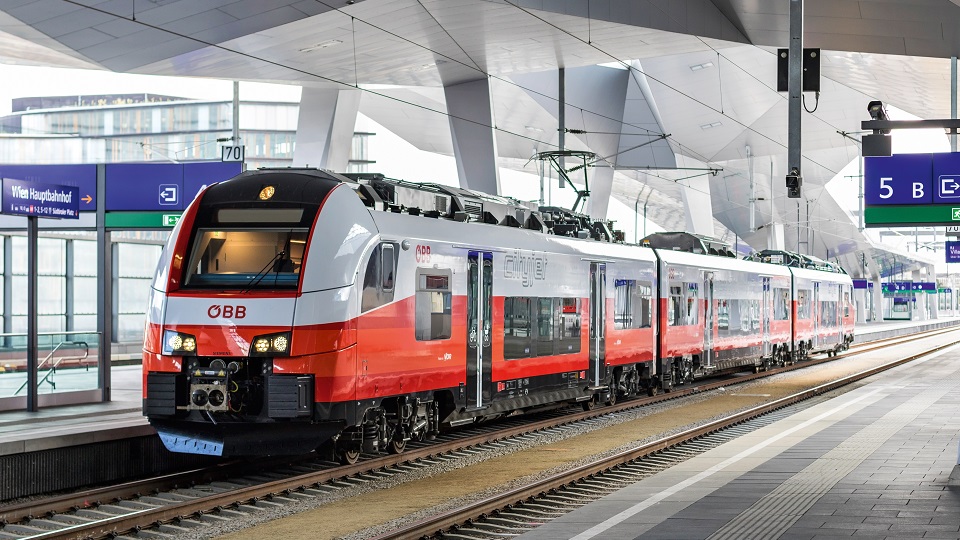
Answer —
(697, 95)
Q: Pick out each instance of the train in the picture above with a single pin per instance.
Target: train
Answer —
(297, 310)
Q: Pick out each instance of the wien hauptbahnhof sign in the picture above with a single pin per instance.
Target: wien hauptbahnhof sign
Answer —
(26, 198)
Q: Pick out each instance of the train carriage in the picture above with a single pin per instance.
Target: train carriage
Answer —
(822, 310)
(717, 312)
(288, 302)
(296, 309)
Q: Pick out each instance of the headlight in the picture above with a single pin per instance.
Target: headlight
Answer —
(271, 345)
(178, 343)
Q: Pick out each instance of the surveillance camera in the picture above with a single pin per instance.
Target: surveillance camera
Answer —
(878, 111)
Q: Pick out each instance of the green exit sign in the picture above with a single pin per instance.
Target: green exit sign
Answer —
(911, 215)
(140, 220)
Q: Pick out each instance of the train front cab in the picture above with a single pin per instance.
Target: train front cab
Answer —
(250, 340)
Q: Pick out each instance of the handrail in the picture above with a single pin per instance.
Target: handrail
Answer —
(70, 333)
(86, 354)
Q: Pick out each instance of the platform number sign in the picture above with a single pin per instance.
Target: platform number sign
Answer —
(232, 153)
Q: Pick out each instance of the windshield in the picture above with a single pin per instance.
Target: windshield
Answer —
(247, 258)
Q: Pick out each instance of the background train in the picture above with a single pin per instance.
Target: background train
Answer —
(297, 309)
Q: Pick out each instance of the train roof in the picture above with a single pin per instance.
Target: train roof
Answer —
(457, 204)
(796, 260)
(689, 242)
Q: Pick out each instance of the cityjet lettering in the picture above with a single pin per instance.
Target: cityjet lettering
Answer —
(525, 268)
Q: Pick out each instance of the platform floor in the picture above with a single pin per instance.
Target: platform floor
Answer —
(873, 462)
(57, 427)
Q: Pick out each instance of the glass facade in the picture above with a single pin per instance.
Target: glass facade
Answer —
(112, 129)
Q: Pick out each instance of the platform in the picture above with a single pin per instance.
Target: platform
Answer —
(119, 426)
(873, 462)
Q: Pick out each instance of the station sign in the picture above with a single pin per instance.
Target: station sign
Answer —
(26, 198)
(912, 189)
(862, 284)
(161, 187)
(83, 177)
(952, 250)
(897, 287)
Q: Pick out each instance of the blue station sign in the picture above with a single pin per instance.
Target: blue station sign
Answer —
(84, 177)
(26, 198)
(161, 187)
(952, 248)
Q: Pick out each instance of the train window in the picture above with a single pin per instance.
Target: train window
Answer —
(728, 316)
(516, 327)
(675, 307)
(632, 304)
(828, 313)
(781, 307)
(545, 317)
(378, 279)
(433, 315)
(388, 267)
(803, 304)
(753, 317)
(846, 304)
(693, 304)
(569, 325)
(263, 258)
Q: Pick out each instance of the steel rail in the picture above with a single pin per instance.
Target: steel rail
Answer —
(479, 510)
(171, 512)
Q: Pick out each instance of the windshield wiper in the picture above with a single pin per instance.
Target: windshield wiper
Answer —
(273, 264)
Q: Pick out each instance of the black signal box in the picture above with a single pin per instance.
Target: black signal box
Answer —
(811, 70)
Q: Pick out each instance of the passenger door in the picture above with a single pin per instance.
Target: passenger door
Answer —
(815, 314)
(598, 296)
(479, 327)
(766, 313)
(708, 319)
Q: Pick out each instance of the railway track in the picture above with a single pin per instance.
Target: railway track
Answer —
(172, 504)
(513, 512)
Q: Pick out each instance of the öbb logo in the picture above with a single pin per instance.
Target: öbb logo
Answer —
(423, 253)
(227, 311)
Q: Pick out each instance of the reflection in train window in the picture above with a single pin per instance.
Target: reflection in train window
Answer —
(632, 304)
(433, 316)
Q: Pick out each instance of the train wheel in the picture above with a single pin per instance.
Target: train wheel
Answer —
(653, 390)
(612, 397)
(348, 457)
(587, 405)
(396, 447)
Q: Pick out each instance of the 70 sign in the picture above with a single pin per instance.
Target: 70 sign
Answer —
(232, 153)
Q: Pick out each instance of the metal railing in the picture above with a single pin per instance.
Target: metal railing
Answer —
(47, 378)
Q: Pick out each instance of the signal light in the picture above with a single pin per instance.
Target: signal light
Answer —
(794, 181)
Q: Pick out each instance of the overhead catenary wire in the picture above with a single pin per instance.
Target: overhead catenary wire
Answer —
(589, 43)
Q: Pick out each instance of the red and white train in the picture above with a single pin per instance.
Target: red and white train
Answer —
(297, 309)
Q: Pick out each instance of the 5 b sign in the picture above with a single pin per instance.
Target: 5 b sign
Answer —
(912, 179)
(899, 179)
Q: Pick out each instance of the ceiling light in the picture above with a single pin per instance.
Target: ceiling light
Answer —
(424, 67)
(710, 125)
(322, 45)
(533, 128)
(698, 67)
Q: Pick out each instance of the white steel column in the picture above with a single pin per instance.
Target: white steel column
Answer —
(470, 110)
(696, 204)
(325, 128)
